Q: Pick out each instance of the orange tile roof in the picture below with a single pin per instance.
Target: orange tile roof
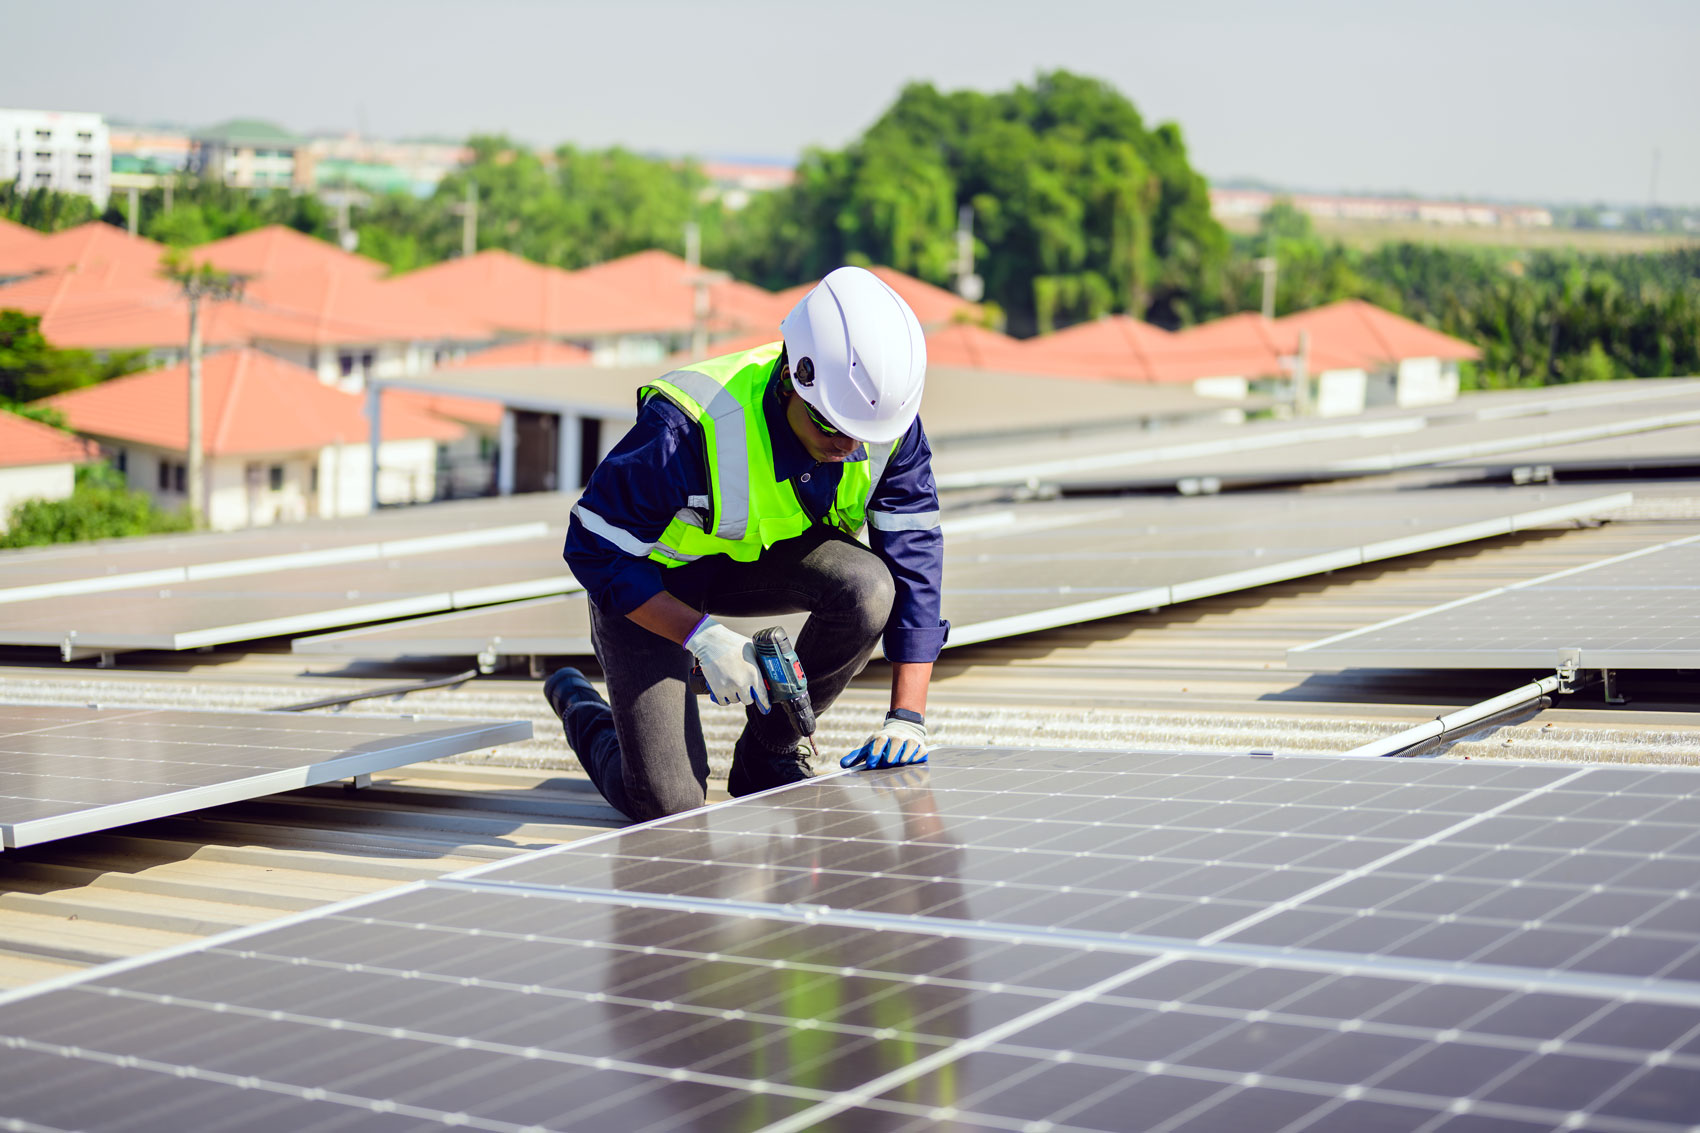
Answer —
(1116, 346)
(17, 242)
(520, 297)
(94, 248)
(1375, 336)
(975, 347)
(251, 403)
(335, 305)
(1246, 345)
(84, 311)
(525, 352)
(276, 249)
(659, 286)
(24, 442)
(933, 306)
(322, 302)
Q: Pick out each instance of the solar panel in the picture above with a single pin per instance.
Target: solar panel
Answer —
(1640, 610)
(219, 610)
(66, 771)
(1295, 451)
(1037, 566)
(1664, 449)
(1003, 940)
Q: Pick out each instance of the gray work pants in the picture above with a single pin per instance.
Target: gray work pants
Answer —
(647, 755)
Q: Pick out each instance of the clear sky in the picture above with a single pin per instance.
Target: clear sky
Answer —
(1555, 100)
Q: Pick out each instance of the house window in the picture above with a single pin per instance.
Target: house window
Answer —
(121, 462)
(180, 477)
(40, 156)
(277, 477)
(313, 481)
(345, 362)
(165, 476)
(366, 361)
(85, 157)
(85, 137)
(85, 178)
(44, 135)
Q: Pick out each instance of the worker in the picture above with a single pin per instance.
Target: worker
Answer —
(738, 493)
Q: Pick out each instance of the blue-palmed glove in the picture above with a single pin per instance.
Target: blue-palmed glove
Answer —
(901, 739)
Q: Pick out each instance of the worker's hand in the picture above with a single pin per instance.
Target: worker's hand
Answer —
(728, 662)
(895, 743)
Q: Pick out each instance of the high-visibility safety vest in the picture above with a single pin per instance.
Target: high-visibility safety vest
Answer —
(746, 510)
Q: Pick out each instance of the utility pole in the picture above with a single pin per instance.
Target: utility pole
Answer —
(968, 285)
(1301, 377)
(135, 211)
(701, 281)
(1266, 265)
(468, 221)
(198, 283)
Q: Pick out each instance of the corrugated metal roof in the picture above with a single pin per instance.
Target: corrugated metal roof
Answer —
(1206, 675)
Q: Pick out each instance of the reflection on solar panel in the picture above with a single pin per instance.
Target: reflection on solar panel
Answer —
(1296, 451)
(215, 611)
(1005, 940)
(1042, 565)
(66, 771)
(1635, 611)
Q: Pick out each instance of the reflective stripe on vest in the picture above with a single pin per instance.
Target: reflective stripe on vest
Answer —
(729, 462)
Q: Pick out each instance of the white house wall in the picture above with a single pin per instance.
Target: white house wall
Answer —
(1340, 393)
(1426, 381)
(33, 482)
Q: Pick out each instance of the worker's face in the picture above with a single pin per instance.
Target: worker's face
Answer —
(824, 447)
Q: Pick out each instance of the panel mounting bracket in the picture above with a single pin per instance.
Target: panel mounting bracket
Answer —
(1569, 661)
(1608, 684)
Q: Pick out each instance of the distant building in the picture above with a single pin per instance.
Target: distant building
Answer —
(279, 445)
(246, 153)
(1232, 204)
(68, 151)
(733, 183)
(375, 166)
(37, 462)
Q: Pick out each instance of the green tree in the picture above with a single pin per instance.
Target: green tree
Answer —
(100, 507)
(46, 210)
(1080, 209)
(31, 368)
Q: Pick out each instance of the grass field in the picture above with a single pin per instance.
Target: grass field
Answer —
(1365, 234)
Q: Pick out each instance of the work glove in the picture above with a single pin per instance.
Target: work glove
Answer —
(898, 741)
(728, 662)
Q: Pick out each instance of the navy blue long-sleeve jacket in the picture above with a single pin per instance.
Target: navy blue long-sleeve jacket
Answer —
(660, 464)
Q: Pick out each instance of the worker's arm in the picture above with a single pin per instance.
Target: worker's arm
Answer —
(666, 615)
(909, 680)
(903, 522)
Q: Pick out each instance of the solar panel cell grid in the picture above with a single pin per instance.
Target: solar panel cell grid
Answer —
(1174, 946)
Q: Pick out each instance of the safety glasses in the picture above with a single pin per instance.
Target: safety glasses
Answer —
(819, 421)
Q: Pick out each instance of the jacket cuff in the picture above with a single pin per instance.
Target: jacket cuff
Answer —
(631, 590)
(918, 644)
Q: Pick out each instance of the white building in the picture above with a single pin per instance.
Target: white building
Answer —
(278, 445)
(37, 462)
(69, 151)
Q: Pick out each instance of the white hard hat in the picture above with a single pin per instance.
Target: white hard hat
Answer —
(857, 355)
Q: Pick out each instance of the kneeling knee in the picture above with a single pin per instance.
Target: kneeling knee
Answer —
(869, 592)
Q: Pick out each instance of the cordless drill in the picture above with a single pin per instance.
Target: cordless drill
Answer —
(782, 672)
